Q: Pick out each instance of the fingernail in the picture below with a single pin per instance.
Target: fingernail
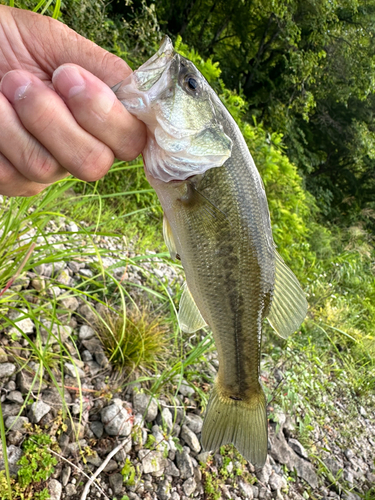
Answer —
(14, 86)
(68, 81)
(105, 100)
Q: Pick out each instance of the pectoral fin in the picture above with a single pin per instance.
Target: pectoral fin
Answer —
(168, 238)
(289, 305)
(189, 316)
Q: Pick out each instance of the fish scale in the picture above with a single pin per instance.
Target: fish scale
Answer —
(216, 220)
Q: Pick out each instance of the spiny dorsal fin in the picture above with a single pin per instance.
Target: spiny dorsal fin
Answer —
(189, 316)
(168, 238)
(289, 305)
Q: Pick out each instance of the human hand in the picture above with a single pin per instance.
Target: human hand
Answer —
(57, 112)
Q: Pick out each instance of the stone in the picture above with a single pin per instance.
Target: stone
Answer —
(171, 469)
(26, 382)
(52, 332)
(255, 491)
(55, 489)
(175, 496)
(53, 292)
(74, 371)
(70, 303)
(63, 278)
(152, 461)
(349, 454)
(276, 482)
(24, 325)
(75, 448)
(146, 405)
(16, 423)
(86, 356)
(164, 490)
(52, 397)
(94, 368)
(65, 475)
(37, 411)
(190, 439)
(185, 464)
(111, 466)
(246, 489)
(87, 313)
(350, 495)
(333, 465)
(75, 429)
(194, 422)
(3, 356)
(165, 419)
(189, 486)
(7, 369)
(15, 397)
(86, 332)
(348, 476)
(11, 410)
(70, 490)
(117, 421)
(13, 454)
(15, 437)
(298, 448)
(10, 385)
(283, 453)
(203, 457)
(97, 428)
(265, 472)
(95, 347)
(94, 459)
(86, 272)
(264, 494)
(185, 389)
(75, 266)
(38, 284)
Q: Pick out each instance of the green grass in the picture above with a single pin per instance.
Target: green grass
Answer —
(137, 340)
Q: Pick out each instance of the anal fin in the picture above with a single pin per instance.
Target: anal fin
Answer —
(289, 304)
(189, 316)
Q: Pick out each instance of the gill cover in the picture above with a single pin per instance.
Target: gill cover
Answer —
(184, 134)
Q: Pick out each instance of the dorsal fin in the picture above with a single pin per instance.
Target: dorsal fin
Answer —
(189, 316)
(289, 305)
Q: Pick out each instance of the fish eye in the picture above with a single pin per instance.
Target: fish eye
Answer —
(191, 82)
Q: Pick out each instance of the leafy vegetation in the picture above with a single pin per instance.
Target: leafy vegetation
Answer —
(36, 466)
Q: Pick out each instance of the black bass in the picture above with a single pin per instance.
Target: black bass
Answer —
(216, 221)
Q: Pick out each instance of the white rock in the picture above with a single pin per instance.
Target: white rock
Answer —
(86, 332)
(37, 411)
(74, 370)
(55, 489)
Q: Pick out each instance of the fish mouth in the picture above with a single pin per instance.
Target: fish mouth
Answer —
(151, 71)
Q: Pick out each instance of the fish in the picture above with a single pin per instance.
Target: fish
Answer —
(217, 223)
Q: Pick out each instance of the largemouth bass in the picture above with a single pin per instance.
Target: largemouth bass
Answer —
(216, 221)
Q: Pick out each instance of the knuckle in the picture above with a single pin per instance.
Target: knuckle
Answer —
(132, 146)
(90, 164)
(39, 166)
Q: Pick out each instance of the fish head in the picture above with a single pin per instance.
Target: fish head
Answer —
(182, 113)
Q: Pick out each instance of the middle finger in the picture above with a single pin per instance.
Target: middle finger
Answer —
(44, 114)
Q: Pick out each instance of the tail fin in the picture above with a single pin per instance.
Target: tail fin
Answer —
(241, 422)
